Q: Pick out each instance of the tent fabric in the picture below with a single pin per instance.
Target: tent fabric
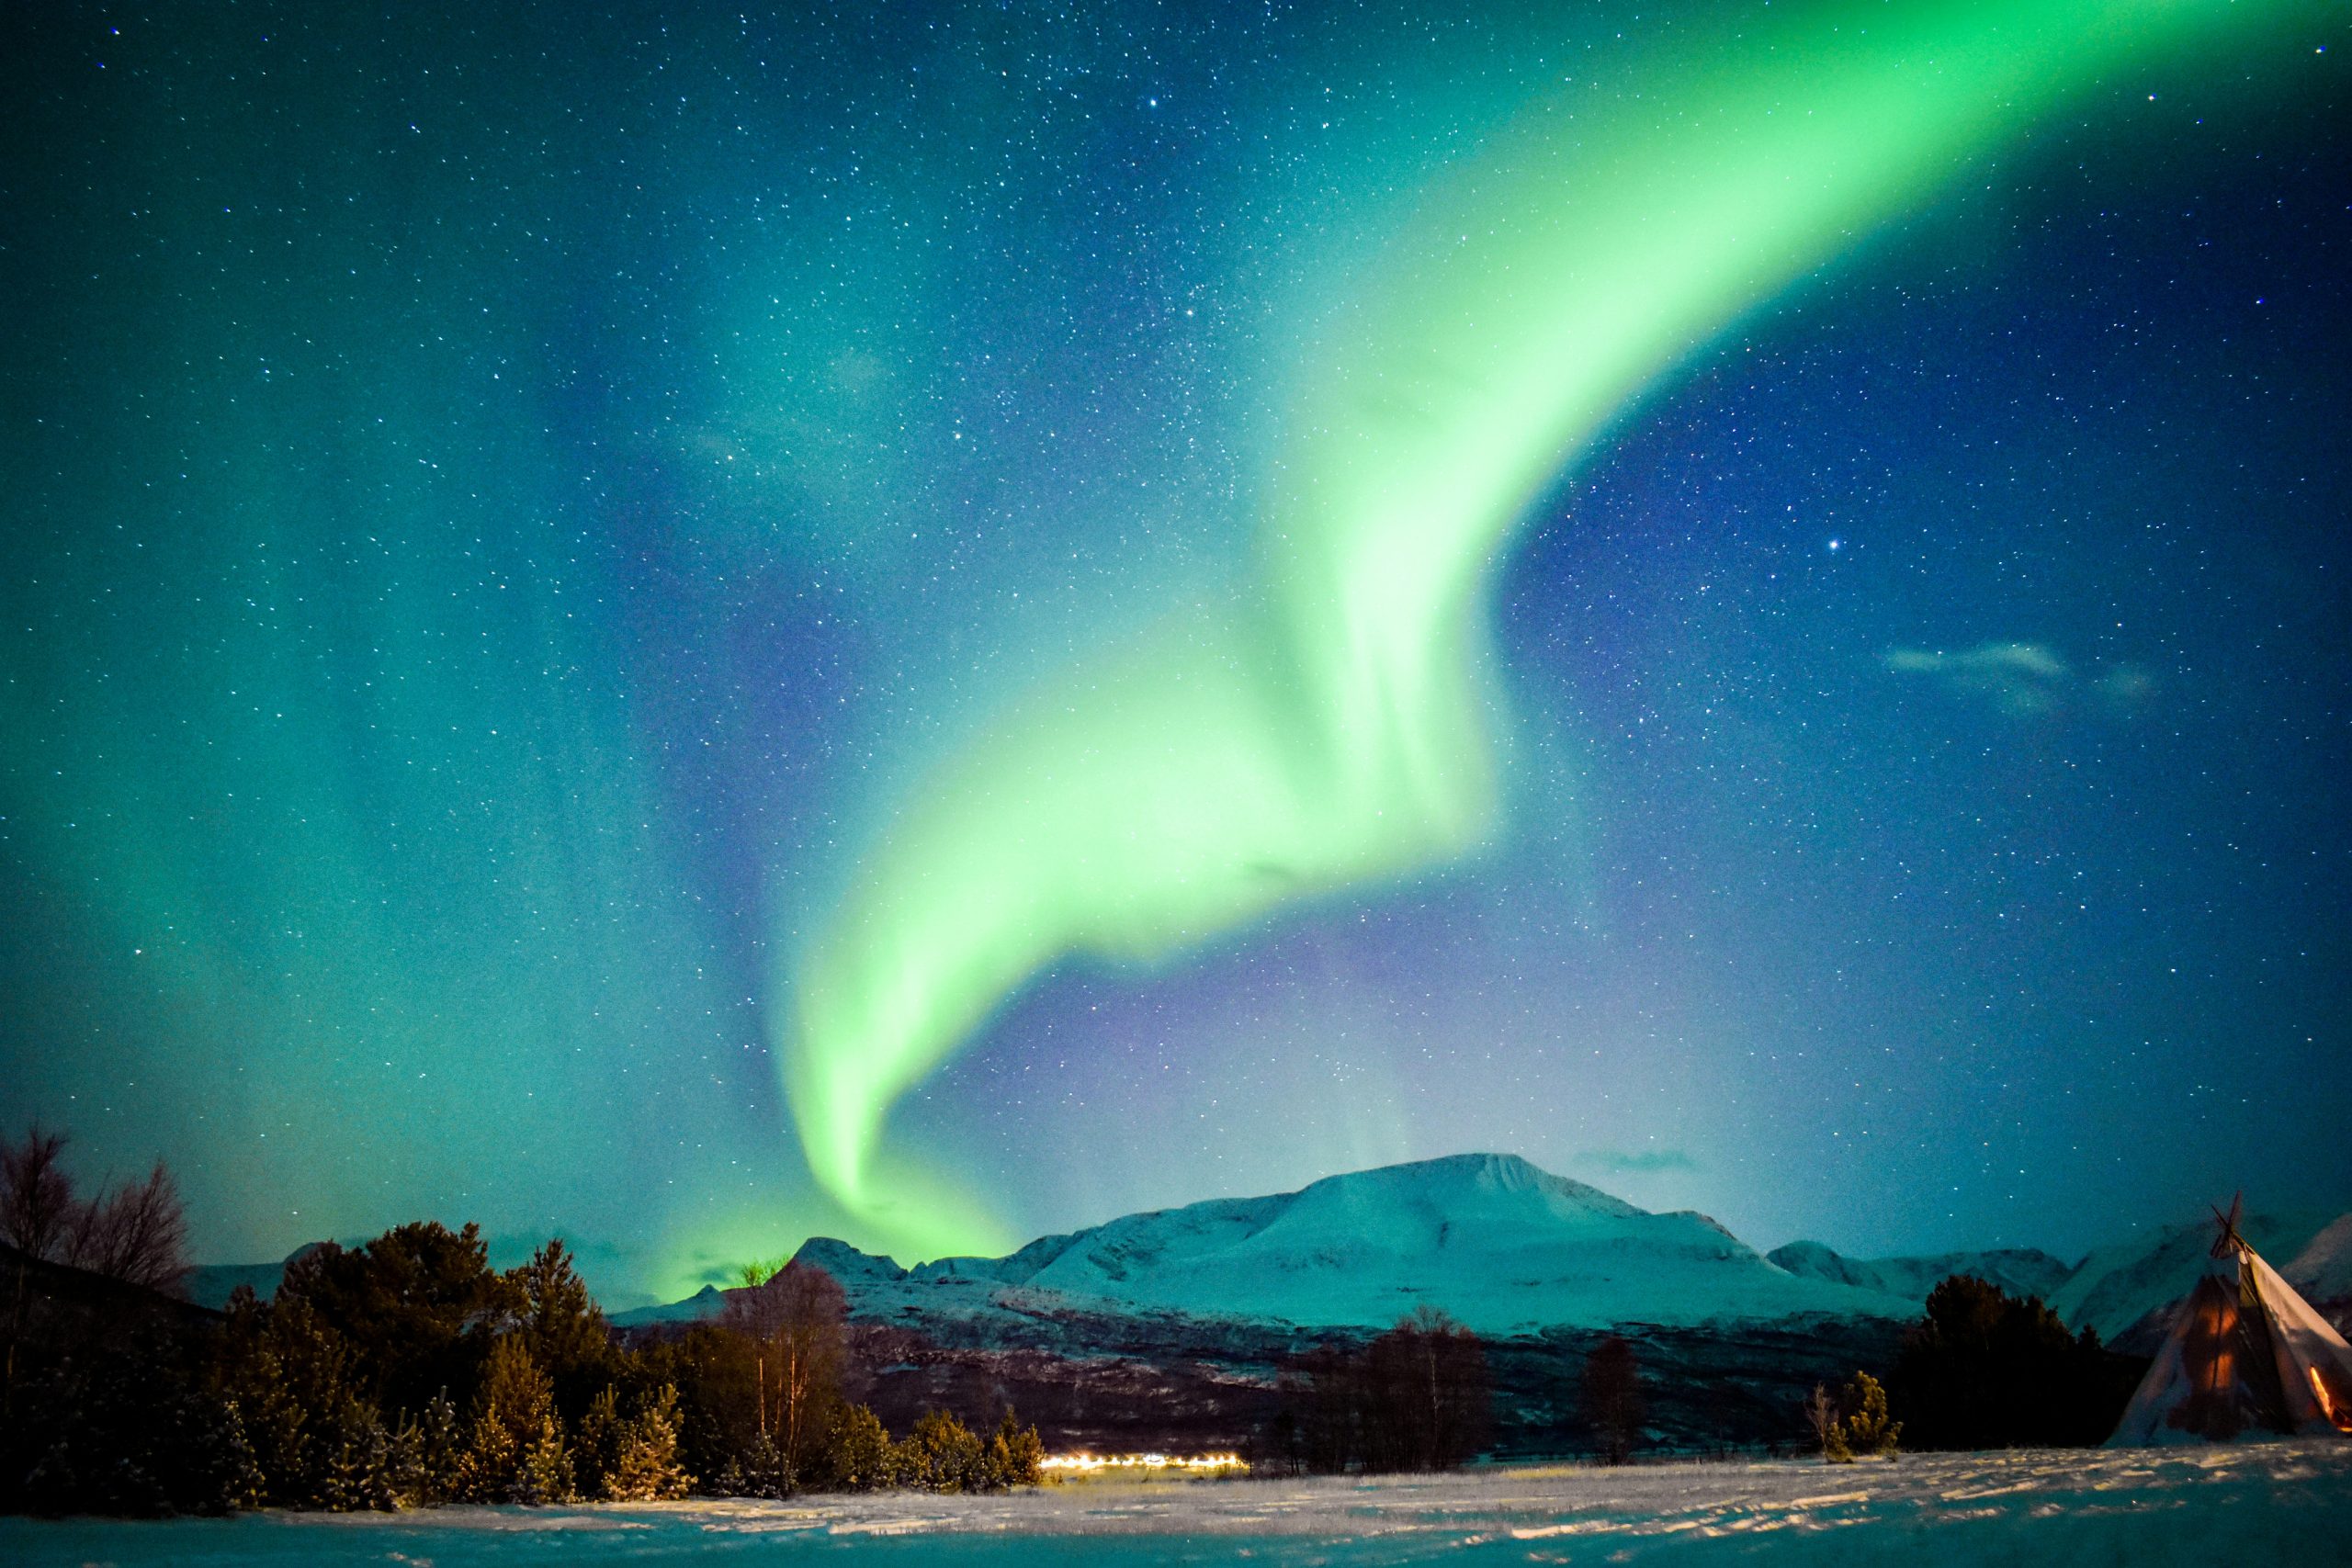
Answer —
(2246, 1356)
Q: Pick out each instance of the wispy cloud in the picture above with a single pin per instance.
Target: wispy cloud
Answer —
(2026, 680)
(1637, 1162)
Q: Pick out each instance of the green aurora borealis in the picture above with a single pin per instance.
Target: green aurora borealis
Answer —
(698, 628)
(1329, 731)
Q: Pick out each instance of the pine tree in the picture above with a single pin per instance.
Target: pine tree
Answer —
(648, 1466)
(441, 1447)
(514, 1418)
(762, 1470)
(1867, 1429)
(352, 1454)
(859, 1450)
(561, 1322)
(1986, 1369)
(242, 1484)
(1016, 1455)
(405, 1472)
(316, 1439)
(417, 1307)
(941, 1455)
(485, 1469)
(597, 1452)
(544, 1473)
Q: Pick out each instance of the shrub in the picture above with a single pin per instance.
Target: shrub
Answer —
(860, 1455)
(940, 1455)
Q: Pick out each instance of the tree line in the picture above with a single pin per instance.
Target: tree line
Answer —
(406, 1371)
(1978, 1369)
(1981, 1369)
(1415, 1398)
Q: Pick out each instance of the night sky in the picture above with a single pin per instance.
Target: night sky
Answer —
(935, 623)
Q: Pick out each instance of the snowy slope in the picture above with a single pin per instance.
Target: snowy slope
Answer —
(2323, 1271)
(2021, 1271)
(1498, 1244)
(2120, 1286)
(211, 1284)
(701, 1307)
(1489, 1239)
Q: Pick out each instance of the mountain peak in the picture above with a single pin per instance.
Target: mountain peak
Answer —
(846, 1263)
(1490, 1172)
(1493, 1240)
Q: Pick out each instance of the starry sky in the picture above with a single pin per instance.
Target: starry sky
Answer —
(933, 623)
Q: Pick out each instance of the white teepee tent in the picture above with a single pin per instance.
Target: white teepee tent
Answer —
(2246, 1356)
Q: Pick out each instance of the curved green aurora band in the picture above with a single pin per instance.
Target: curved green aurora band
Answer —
(1329, 732)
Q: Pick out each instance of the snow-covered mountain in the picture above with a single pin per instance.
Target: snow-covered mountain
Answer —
(1495, 1243)
(1490, 1239)
(2021, 1271)
(211, 1284)
(2322, 1270)
(2130, 1285)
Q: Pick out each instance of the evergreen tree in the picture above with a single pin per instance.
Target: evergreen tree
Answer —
(1867, 1429)
(544, 1474)
(406, 1472)
(441, 1448)
(559, 1320)
(761, 1471)
(1016, 1455)
(860, 1455)
(486, 1466)
(129, 1427)
(713, 1368)
(417, 1306)
(940, 1455)
(1983, 1370)
(598, 1450)
(513, 1423)
(647, 1467)
(316, 1439)
(353, 1455)
(252, 1377)
(241, 1486)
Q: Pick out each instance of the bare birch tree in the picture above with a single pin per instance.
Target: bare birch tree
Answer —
(794, 1321)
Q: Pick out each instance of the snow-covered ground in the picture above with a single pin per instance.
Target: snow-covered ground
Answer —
(2278, 1502)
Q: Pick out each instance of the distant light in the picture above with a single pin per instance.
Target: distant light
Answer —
(1836, 545)
(1091, 1464)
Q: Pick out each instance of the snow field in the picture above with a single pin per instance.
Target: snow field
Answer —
(2290, 1502)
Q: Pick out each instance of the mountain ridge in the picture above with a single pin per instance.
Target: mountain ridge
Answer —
(2021, 1271)
(1494, 1241)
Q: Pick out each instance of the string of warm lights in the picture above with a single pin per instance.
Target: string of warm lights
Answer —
(1091, 1464)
